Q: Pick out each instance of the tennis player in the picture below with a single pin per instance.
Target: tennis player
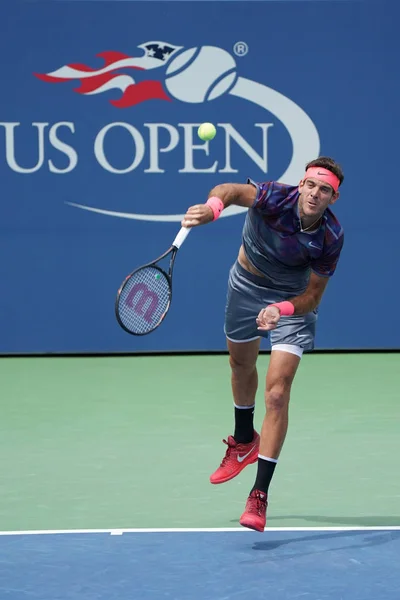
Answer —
(291, 243)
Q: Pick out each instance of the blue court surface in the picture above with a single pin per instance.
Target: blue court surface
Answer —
(234, 564)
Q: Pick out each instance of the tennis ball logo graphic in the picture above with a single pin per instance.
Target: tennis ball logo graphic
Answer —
(201, 74)
(198, 75)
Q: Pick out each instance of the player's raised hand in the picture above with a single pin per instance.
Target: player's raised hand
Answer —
(199, 214)
(268, 318)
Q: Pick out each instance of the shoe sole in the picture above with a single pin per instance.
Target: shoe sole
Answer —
(225, 479)
(248, 526)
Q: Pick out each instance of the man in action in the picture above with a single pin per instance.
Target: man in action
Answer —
(291, 244)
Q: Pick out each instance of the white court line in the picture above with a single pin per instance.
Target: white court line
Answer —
(194, 530)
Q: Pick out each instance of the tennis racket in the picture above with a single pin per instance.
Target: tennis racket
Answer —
(144, 297)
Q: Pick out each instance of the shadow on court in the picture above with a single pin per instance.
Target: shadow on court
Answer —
(339, 543)
(366, 539)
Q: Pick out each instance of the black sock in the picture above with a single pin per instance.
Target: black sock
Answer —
(265, 470)
(244, 424)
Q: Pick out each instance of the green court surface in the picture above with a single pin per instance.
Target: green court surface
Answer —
(128, 442)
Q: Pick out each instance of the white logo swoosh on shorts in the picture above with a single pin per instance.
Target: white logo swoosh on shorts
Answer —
(241, 458)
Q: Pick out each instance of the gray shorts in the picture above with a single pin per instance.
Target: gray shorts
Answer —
(246, 296)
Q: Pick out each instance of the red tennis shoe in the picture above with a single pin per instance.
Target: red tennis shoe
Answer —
(255, 513)
(236, 458)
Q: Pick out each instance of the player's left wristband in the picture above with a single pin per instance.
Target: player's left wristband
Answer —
(216, 205)
(286, 308)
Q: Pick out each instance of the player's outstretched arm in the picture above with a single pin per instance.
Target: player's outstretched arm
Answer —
(220, 197)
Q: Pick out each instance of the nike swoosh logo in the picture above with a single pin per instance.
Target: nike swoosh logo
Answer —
(324, 174)
(314, 246)
(241, 458)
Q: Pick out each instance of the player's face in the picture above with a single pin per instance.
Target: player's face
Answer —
(315, 196)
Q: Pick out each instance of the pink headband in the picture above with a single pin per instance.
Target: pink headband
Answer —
(323, 175)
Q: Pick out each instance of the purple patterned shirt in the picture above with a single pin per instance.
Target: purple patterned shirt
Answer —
(275, 245)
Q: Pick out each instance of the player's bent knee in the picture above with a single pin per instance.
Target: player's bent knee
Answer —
(241, 364)
(277, 398)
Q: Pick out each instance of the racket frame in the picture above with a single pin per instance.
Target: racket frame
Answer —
(153, 264)
(173, 249)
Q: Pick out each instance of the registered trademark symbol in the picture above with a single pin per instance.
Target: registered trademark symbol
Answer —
(240, 48)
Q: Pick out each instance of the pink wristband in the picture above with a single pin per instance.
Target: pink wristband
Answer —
(286, 308)
(216, 205)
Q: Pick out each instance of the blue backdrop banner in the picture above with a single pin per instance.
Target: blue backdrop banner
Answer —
(99, 158)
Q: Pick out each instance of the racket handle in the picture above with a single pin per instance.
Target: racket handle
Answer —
(181, 237)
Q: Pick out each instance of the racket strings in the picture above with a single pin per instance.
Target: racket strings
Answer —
(144, 300)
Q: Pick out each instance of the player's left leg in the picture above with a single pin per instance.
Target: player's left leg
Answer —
(281, 372)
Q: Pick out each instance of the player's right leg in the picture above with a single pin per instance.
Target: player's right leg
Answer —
(292, 336)
(243, 345)
(282, 368)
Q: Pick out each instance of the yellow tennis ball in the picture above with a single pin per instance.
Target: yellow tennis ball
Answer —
(206, 132)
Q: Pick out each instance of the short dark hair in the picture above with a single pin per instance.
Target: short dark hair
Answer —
(328, 163)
